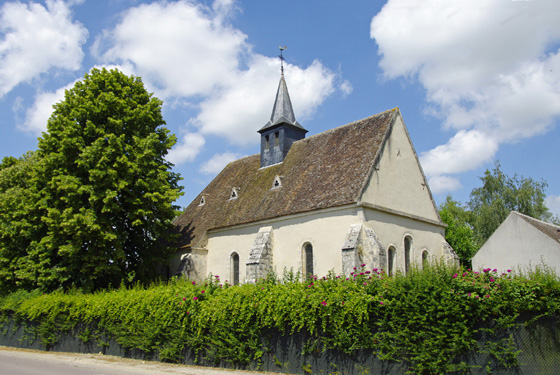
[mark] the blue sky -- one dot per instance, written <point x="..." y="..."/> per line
<point x="475" y="80"/>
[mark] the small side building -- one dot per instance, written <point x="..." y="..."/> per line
<point x="520" y="242"/>
<point x="352" y="195"/>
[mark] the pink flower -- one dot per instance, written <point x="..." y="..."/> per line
<point x="381" y="302"/>
<point x="455" y="276"/>
<point x="184" y="298"/>
<point x="363" y="265"/>
<point x="202" y="291"/>
<point x="194" y="283"/>
<point x="195" y="298"/>
<point x="509" y="270"/>
<point x="324" y="303"/>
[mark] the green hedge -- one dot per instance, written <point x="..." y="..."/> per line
<point x="432" y="320"/>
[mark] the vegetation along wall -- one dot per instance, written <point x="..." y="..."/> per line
<point x="435" y="321"/>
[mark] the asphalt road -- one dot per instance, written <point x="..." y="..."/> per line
<point x="31" y="362"/>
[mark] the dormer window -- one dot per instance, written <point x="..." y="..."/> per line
<point x="202" y="201"/>
<point x="277" y="182"/>
<point x="233" y="194"/>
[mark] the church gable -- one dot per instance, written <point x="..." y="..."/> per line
<point x="397" y="182"/>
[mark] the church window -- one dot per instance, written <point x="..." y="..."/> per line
<point x="425" y="258"/>
<point x="234" y="267"/>
<point x="407" y="250"/>
<point x="266" y="142"/>
<point x="307" y="260"/>
<point x="233" y="194"/>
<point x="276" y="139"/>
<point x="277" y="182"/>
<point x="391" y="256"/>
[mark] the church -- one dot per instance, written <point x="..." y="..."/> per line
<point x="333" y="201"/>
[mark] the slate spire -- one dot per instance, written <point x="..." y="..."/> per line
<point x="278" y="135"/>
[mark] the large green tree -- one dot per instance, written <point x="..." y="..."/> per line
<point x="105" y="190"/>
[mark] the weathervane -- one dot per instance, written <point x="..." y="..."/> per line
<point x="282" y="58"/>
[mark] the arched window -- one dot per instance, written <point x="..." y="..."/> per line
<point x="307" y="260"/>
<point x="234" y="267"/>
<point x="407" y="250"/>
<point x="391" y="256"/>
<point x="425" y="258"/>
<point x="276" y="139"/>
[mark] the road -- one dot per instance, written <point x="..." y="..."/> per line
<point x="32" y="362"/>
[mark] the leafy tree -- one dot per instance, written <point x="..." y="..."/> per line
<point x="459" y="233"/>
<point x="20" y="223"/>
<point x="105" y="189"/>
<point x="500" y="194"/>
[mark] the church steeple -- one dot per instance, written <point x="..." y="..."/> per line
<point x="278" y="135"/>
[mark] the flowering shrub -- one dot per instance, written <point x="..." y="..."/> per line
<point x="429" y="319"/>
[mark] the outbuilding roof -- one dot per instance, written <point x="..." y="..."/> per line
<point x="551" y="230"/>
<point x="326" y="170"/>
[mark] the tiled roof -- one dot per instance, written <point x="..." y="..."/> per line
<point x="325" y="170"/>
<point x="551" y="230"/>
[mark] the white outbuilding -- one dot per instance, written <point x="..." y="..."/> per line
<point x="520" y="242"/>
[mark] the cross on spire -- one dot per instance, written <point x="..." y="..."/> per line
<point x="282" y="58"/>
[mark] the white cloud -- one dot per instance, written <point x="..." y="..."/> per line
<point x="206" y="61"/>
<point x="36" y="39"/>
<point x="465" y="150"/>
<point x="236" y="112"/>
<point x="443" y="184"/>
<point x="491" y="69"/>
<point x="181" y="48"/>
<point x="553" y="204"/>
<point x="188" y="147"/>
<point x="37" y="116"/>
<point x="218" y="162"/>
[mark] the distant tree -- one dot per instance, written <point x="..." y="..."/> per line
<point x="459" y="233"/>
<point x="105" y="190"/>
<point x="500" y="194"/>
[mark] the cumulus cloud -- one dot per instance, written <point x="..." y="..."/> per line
<point x="218" y="162"/>
<point x="181" y="48"/>
<point x="38" y="114"/>
<point x="491" y="70"/>
<point x="187" y="149"/>
<point x="36" y="39"/>
<point x="443" y="184"/>
<point x="208" y="63"/>
<point x="238" y="111"/>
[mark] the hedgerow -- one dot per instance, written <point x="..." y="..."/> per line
<point x="432" y="319"/>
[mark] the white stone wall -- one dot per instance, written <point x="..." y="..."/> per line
<point x="398" y="183"/>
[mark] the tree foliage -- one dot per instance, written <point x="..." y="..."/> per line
<point x="459" y="233"/>
<point x="20" y="223"/>
<point x="101" y="186"/>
